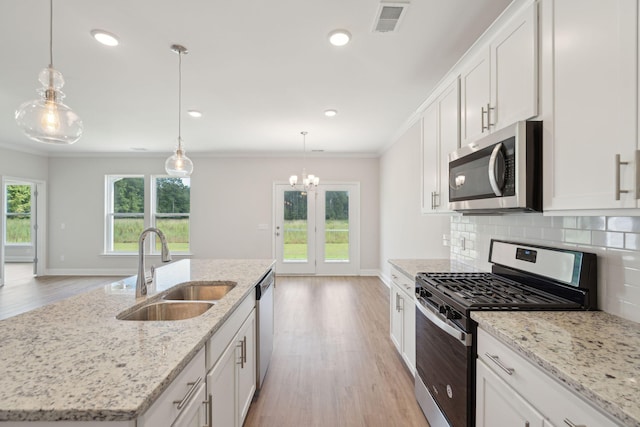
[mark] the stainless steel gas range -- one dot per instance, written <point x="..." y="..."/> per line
<point x="523" y="277"/>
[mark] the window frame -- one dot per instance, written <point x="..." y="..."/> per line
<point x="110" y="180"/>
<point x="154" y="215"/>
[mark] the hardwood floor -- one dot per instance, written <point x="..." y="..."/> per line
<point x="23" y="292"/>
<point x="333" y="362"/>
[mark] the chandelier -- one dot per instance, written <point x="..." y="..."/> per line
<point x="309" y="182"/>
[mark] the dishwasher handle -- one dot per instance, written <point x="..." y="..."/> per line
<point x="264" y="284"/>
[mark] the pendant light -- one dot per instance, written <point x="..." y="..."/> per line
<point x="179" y="164"/>
<point x="309" y="182"/>
<point x="47" y="119"/>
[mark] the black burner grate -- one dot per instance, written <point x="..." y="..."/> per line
<point x="474" y="290"/>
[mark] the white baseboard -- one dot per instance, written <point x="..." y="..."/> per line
<point x="385" y="279"/>
<point x="89" y="272"/>
<point x="370" y="272"/>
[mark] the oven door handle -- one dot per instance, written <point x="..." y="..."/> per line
<point x="430" y="314"/>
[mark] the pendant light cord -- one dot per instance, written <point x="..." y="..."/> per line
<point x="179" y="98"/>
<point x="50" y="33"/>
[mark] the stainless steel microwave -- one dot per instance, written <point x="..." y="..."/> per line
<point x="499" y="173"/>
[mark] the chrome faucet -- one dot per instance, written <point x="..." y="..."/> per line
<point x="143" y="279"/>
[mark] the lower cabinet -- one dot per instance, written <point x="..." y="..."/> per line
<point x="511" y="391"/>
<point x="231" y="383"/>
<point x="184" y="402"/>
<point x="402" y="317"/>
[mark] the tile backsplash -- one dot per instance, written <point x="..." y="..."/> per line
<point x="615" y="240"/>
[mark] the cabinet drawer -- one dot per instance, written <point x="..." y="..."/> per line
<point x="407" y="285"/>
<point x="165" y="409"/>
<point x="223" y="336"/>
<point x="555" y="401"/>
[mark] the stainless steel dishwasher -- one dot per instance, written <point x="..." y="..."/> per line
<point x="264" y="312"/>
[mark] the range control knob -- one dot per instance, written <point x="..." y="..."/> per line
<point x="443" y="309"/>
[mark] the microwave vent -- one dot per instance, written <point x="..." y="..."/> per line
<point x="389" y="16"/>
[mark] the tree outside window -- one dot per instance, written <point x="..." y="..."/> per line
<point x="172" y="206"/>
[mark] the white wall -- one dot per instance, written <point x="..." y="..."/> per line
<point x="404" y="231"/>
<point x="17" y="164"/>
<point x="615" y="240"/>
<point x="230" y="197"/>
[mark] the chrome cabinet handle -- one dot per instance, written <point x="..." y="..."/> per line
<point x="244" y="350"/>
<point x="397" y="302"/>
<point x="489" y="109"/>
<point x="617" y="169"/>
<point x="241" y="346"/>
<point x="435" y="199"/>
<point x="568" y="422"/>
<point x="482" y="113"/>
<point x="207" y="411"/>
<point x="185" y="399"/>
<point x="495" y="359"/>
<point x="493" y="180"/>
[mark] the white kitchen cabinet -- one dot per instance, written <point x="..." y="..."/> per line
<point x="509" y="388"/>
<point x="183" y="401"/>
<point x="499" y="85"/>
<point x="440" y="136"/>
<point x="403" y="317"/>
<point x="498" y="405"/>
<point x="590" y="75"/>
<point x="231" y="383"/>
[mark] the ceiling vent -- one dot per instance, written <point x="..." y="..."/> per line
<point x="389" y="16"/>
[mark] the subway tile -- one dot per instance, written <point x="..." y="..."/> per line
<point x="632" y="241"/>
<point x="631" y="311"/>
<point x="592" y="222"/>
<point x="565" y="222"/>
<point x="553" y="235"/>
<point x="577" y="236"/>
<point x="607" y="238"/>
<point x="624" y="223"/>
<point x="621" y="257"/>
<point x="533" y="233"/>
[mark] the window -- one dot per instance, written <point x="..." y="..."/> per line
<point x="18" y="214"/>
<point x="127" y="215"/>
<point x="125" y="212"/>
<point x="171" y="207"/>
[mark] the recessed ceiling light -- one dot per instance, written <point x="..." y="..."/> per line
<point x="339" y="37"/>
<point x="194" y="113"/>
<point x="105" y="37"/>
<point x="330" y="113"/>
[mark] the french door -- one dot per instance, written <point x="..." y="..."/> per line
<point x="317" y="231"/>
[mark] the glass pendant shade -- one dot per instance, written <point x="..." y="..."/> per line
<point x="48" y="119"/>
<point x="179" y="165"/>
<point x="293" y="180"/>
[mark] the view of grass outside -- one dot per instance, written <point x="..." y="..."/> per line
<point x="336" y="226"/>
<point x="18" y="214"/>
<point x="127" y="231"/>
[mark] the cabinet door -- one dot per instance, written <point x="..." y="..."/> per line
<point x="498" y="405"/>
<point x="592" y="49"/>
<point x="474" y="98"/>
<point x="194" y="414"/>
<point x="246" y="366"/>
<point x="514" y="71"/>
<point x="221" y="385"/>
<point x="396" y="316"/>
<point x="430" y="182"/>
<point x="409" y="334"/>
<point x="449" y="126"/>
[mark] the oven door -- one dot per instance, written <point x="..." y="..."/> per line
<point x="444" y="366"/>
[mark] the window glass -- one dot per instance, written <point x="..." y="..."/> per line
<point x="125" y="212"/>
<point x="18" y="214"/>
<point x="172" y="206"/>
<point x="336" y="226"/>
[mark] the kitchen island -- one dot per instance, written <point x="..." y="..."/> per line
<point x="74" y="361"/>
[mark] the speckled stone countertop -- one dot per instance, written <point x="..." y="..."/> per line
<point x="411" y="267"/>
<point x="73" y="360"/>
<point x="594" y="353"/>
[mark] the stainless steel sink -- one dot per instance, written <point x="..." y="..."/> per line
<point x="168" y="310"/>
<point x="201" y="291"/>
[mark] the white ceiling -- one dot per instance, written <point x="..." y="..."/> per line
<point x="260" y="71"/>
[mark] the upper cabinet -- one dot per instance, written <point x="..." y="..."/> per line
<point x="499" y="85"/>
<point x="440" y="136"/>
<point x="590" y="96"/>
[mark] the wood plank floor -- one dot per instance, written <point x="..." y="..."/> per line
<point x="23" y="292"/>
<point x="333" y="362"/>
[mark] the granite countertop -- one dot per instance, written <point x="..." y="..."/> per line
<point x="73" y="360"/>
<point x="594" y="353"/>
<point x="411" y="267"/>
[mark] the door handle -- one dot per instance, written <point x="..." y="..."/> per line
<point x="618" y="164"/>
<point x="496" y="156"/>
